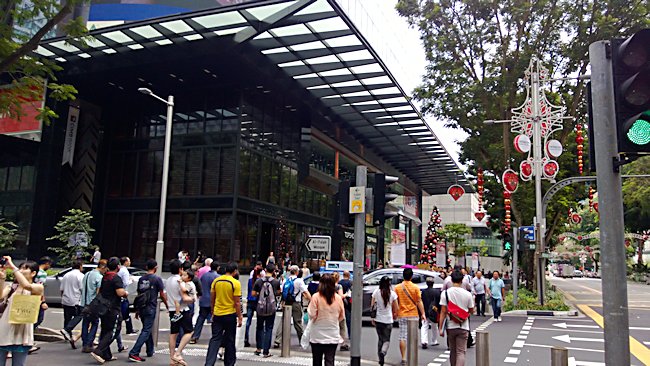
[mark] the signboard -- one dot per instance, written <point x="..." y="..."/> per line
<point x="475" y="261"/>
<point x="357" y="200"/>
<point x="397" y="247"/>
<point x="339" y="266"/>
<point x="26" y="126"/>
<point x="70" y="136"/>
<point x="318" y="243"/>
<point x="528" y="232"/>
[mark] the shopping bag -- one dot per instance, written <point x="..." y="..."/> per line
<point x="304" y="341"/>
<point x="24" y="309"/>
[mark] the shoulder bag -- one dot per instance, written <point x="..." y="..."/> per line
<point x="414" y="303"/>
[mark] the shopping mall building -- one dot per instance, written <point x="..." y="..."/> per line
<point x="275" y="103"/>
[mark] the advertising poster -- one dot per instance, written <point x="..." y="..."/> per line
<point x="475" y="261"/>
<point x="397" y="247"/>
<point x="440" y="254"/>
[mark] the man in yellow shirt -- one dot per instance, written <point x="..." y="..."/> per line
<point x="409" y="299"/>
<point x="225" y="296"/>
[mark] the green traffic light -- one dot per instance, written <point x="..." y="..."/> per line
<point x="639" y="132"/>
<point x="508" y="246"/>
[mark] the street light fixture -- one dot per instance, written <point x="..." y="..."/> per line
<point x="160" y="244"/>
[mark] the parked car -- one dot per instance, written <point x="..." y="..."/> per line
<point x="371" y="281"/>
<point x="577" y="273"/>
<point x="53" y="283"/>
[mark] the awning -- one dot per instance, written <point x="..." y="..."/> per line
<point x="316" y="44"/>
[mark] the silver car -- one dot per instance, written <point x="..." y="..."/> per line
<point x="53" y="283"/>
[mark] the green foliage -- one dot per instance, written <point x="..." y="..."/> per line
<point x="454" y="234"/>
<point x="8" y="232"/>
<point x="635" y="196"/>
<point x="77" y="221"/>
<point x="27" y="72"/>
<point x="527" y="300"/>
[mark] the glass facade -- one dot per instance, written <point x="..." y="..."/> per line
<point x="16" y="196"/>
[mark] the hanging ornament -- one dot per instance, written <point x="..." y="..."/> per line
<point x="526" y="170"/>
<point x="510" y="180"/>
<point x="579" y="141"/>
<point x="506" y="204"/>
<point x="554" y="148"/>
<point x="479" y="215"/>
<point x="596" y="206"/>
<point x="456" y="191"/>
<point x="480" y="187"/>
<point x="575" y="218"/>
<point x="522" y="143"/>
<point x="591" y="198"/>
<point x="550" y="169"/>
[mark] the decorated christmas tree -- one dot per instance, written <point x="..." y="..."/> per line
<point x="432" y="238"/>
<point x="282" y="240"/>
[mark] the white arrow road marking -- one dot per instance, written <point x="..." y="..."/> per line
<point x="565" y="326"/>
<point x="574" y="362"/>
<point x="638" y="328"/>
<point x="567" y="339"/>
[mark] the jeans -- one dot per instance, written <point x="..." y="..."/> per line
<point x="264" y="332"/>
<point x="348" y="319"/>
<point x="480" y="304"/>
<point x="319" y="350"/>
<point x="429" y="327"/>
<point x="496" y="307"/>
<point x="250" y="310"/>
<point x="127" y="316"/>
<point x="457" y="340"/>
<point x="111" y="325"/>
<point x="204" y="314"/>
<point x="383" y="335"/>
<point x="41" y="316"/>
<point x="71" y="317"/>
<point x="147" y="317"/>
<point x="88" y="335"/>
<point x="17" y="358"/>
<point x="296" y="314"/>
<point x="223" y="334"/>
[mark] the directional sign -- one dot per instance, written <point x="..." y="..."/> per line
<point x="528" y="232"/>
<point x="318" y="243"/>
<point x="357" y="200"/>
<point x="567" y="339"/>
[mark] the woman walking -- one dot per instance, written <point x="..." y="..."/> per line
<point x="384" y="299"/>
<point x="325" y="313"/>
<point x="17" y="338"/>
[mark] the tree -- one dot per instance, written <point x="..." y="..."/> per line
<point x="8" y="232"/>
<point x="75" y="233"/>
<point x="635" y="196"/>
<point x="455" y="234"/>
<point x="23" y="70"/>
<point x="432" y="237"/>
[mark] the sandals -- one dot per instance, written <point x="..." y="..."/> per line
<point x="177" y="360"/>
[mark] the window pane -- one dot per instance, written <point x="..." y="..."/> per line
<point x="139" y="238"/>
<point x="13" y="183"/>
<point x="255" y="176"/>
<point x="301" y="198"/>
<point x="109" y="233"/>
<point x="222" y="248"/>
<point x="309" y="201"/>
<point x="129" y="175"/>
<point x="177" y="172"/>
<point x="286" y="177"/>
<point x="266" y="179"/>
<point x="3" y="178"/>
<point x="123" y="233"/>
<point x="172" y="235"/>
<point x="210" y="171"/>
<point x="145" y="170"/>
<point x="244" y="171"/>
<point x="193" y="173"/>
<point x="27" y="179"/>
<point x="227" y="177"/>
<point x="276" y="174"/>
<point x="115" y="175"/>
<point x="293" y="189"/>
<point x="188" y="233"/>
<point x="207" y="228"/>
<point x="157" y="173"/>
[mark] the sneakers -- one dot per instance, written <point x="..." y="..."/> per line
<point x="194" y="340"/>
<point x="66" y="335"/>
<point x="98" y="358"/>
<point x="122" y="349"/>
<point x="33" y="349"/>
<point x="425" y="346"/>
<point x="136" y="358"/>
<point x="267" y="355"/>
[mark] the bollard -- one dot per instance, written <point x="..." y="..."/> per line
<point x="413" y="333"/>
<point x="156" y="324"/>
<point x="559" y="356"/>
<point x="286" y="331"/>
<point x="482" y="348"/>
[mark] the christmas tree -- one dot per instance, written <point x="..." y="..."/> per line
<point x="432" y="237"/>
<point x="282" y="239"/>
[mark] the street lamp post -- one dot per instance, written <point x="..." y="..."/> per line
<point x="160" y="244"/>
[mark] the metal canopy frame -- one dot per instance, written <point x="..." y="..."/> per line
<point x="317" y="45"/>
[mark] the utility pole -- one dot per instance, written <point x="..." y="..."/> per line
<point x="515" y="267"/>
<point x="612" y="235"/>
<point x="357" y="280"/>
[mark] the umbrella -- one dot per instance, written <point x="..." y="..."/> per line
<point x="409" y="266"/>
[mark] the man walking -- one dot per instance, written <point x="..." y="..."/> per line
<point x="71" y="285"/>
<point x="205" y="301"/>
<point x="410" y="305"/>
<point x="295" y="300"/>
<point x="112" y="291"/>
<point x="431" y="303"/>
<point x="225" y="296"/>
<point x="346" y="285"/>
<point x="91" y="283"/>
<point x="124" y="274"/>
<point x="149" y="287"/>
<point x="479" y="288"/>
<point x="457" y="304"/>
<point x="497" y="292"/>
<point x="265" y="289"/>
<point x="205" y="269"/>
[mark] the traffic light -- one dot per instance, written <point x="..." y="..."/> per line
<point x="507" y="242"/>
<point x="343" y="204"/>
<point x="631" y="70"/>
<point x="381" y="196"/>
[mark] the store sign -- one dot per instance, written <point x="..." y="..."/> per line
<point x="357" y="200"/>
<point x="410" y="205"/>
<point x="27" y="125"/>
<point x="318" y="243"/>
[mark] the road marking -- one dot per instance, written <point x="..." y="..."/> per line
<point x="574" y="362"/>
<point x="567" y="339"/>
<point x="520" y="341"/>
<point x="599" y="331"/>
<point x="637" y="348"/>
<point x="565" y="326"/>
<point x="639" y="328"/>
<point x="569" y="348"/>
<point x="514" y="352"/>
<point x="510" y="360"/>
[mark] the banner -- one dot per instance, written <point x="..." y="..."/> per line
<point x="397" y="247"/>
<point x="475" y="261"/>
<point x="70" y="135"/>
<point x="441" y="254"/>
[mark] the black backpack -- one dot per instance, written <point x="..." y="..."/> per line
<point x="145" y="295"/>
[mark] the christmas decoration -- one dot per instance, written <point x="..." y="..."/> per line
<point x="510" y="180"/>
<point x="526" y="169"/>
<point x="282" y="239"/>
<point x="506" y="204"/>
<point x="479" y="215"/>
<point x="480" y="189"/>
<point x="579" y="141"/>
<point x="432" y="238"/>
<point x="456" y="191"/>
<point x="591" y="198"/>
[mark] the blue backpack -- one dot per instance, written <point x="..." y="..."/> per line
<point x="288" y="293"/>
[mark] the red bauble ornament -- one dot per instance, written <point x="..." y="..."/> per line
<point x="479" y="215"/>
<point x="510" y="180"/>
<point x="551" y="168"/>
<point x="456" y="191"/>
<point x="596" y="206"/>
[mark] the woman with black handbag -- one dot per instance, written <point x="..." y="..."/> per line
<point x="384" y="312"/>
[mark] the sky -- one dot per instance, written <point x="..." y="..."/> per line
<point x="401" y="49"/>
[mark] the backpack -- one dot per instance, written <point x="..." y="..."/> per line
<point x="145" y="294"/>
<point x="288" y="293"/>
<point x="266" y="303"/>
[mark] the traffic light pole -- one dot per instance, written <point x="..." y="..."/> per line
<point x="614" y="284"/>
<point x="515" y="267"/>
<point x="357" y="280"/>
<point x="537" y="167"/>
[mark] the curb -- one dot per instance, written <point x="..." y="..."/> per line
<point x="542" y="313"/>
